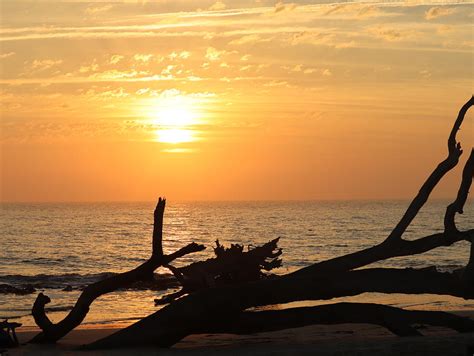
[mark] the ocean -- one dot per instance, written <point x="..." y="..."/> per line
<point x="53" y="245"/>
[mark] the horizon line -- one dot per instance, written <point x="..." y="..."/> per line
<point x="221" y="200"/>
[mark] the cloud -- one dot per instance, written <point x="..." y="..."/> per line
<point x="115" y="58"/>
<point x="218" y="5"/>
<point x="90" y="68"/>
<point x="142" y="57"/>
<point x="142" y="91"/>
<point x="116" y="74"/>
<point x="104" y="95"/>
<point x="326" y="72"/>
<point x="444" y="29"/>
<point x="280" y="7"/>
<point x="356" y="11"/>
<point x="310" y="37"/>
<point x="245" y="40"/>
<point x="276" y="83"/>
<point x="213" y="54"/>
<point x="390" y="34"/>
<point x="181" y="55"/>
<point x="248" y="39"/>
<point x="43" y="64"/>
<point x="94" y="10"/>
<point x="6" y="55"/>
<point x="168" y="70"/>
<point x="439" y="11"/>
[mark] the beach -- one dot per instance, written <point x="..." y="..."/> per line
<point x="78" y="244"/>
<point x="344" y="339"/>
<point x="309" y="234"/>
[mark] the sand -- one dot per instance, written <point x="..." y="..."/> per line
<point x="344" y="339"/>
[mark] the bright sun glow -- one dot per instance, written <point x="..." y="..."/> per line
<point x="175" y="122"/>
<point x="175" y="116"/>
<point x="174" y="135"/>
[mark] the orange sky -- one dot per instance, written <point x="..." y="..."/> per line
<point x="230" y="100"/>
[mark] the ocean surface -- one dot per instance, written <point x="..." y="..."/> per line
<point x="55" y="245"/>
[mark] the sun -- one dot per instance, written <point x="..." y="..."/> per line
<point x="175" y="123"/>
<point x="175" y="116"/>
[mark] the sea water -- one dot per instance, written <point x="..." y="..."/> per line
<point x="55" y="245"/>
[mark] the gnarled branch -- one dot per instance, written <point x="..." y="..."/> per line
<point x="454" y="152"/>
<point x="52" y="332"/>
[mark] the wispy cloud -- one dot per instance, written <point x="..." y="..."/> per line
<point x="281" y="7"/>
<point x="356" y="11"/>
<point x="217" y="6"/>
<point x="95" y="10"/>
<point x="115" y="58"/>
<point x="43" y="64"/>
<point x="6" y="55"/>
<point x="390" y="33"/>
<point x="439" y="11"/>
<point x="139" y="57"/>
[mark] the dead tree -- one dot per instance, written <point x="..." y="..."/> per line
<point x="52" y="332"/>
<point x="230" y="266"/>
<point x="223" y="308"/>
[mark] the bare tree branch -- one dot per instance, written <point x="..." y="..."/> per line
<point x="454" y="152"/>
<point x="458" y="205"/>
<point x="157" y="245"/>
<point x="53" y="332"/>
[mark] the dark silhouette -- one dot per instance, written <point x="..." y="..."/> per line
<point x="222" y="307"/>
<point x="230" y="266"/>
<point x="8" y="335"/>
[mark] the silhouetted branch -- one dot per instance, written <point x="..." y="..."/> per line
<point x="383" y="251"/>
<point x="394" y="245"/>
<point x="454" y="152"/>
<point x="53" y="332"/>
<point x="397" y="320"/>
<point x="38" y="312"/>
<point x="458" y="205"/>
<point x="157" y="240"/>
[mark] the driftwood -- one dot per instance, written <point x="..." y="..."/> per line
<point x="398" y="321"/>
<point x="230" y="266"/>
<point x="53" y="332"/>
<point x="223" y="308"/>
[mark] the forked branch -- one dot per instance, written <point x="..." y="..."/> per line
<point x="52" y="332"/>
<point x="454" y="152"/>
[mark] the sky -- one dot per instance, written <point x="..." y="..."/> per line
<point x="230" y="100"/>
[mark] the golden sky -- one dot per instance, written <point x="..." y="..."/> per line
<point x="230" y="100"/>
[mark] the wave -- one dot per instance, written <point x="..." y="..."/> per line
<point x="23" y="284"/>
